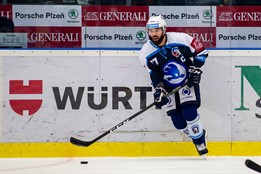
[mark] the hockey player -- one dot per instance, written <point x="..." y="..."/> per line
<point x="173" y="59"/>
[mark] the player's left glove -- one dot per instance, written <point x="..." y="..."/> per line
<point x="194" y="76"/>
<point x="159" y="97"/>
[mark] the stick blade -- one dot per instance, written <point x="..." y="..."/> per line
<point x="258" y="116"/>
<point x="252" y="165"/>
<point x="78" y="142"/>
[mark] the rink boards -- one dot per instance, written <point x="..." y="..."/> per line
<point x="47" y="96"/>
<point x="126" y="149"/>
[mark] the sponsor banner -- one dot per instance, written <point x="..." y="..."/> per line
<point x="239" y="16"/>
<point x="52" y="37"/>
<point x="40" y="96"/>
<point x="186" y="16"/>
<point x="113" y="37"/>
<point x="238" y="37"/>
<point x="246" y="96"/>
<point x="45" y="15"/>
<point x="206" y="35"/>
<point x="236" y="90"/>
<point x="114" y="15"/>
<point x="6" y="11"/>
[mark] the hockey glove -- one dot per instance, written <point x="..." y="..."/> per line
<point x="194" y="76"/>
<point x="159" y="97"/>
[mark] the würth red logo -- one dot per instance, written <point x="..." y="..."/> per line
<point x="23" y="94"/>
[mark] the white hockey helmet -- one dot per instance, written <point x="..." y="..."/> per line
<point x="156" y="22"/>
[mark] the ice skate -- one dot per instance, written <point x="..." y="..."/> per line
<point x="202" y="148"/>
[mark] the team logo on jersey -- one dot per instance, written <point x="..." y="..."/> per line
<point x="186" y="91"/>
<point x="174" y="73"/>
<point x="175" y="52"/>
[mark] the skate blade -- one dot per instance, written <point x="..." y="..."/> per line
<point x="204" y="157"/>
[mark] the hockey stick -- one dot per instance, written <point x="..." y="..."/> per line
<point x="252" y="165"/>
<point x="78" y="142"/>
<point x="258" y="116"/>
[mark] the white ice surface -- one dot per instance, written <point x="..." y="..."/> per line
<point x="128" y="165"/>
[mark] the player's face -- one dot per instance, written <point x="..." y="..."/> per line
<point x="156" y="35"/>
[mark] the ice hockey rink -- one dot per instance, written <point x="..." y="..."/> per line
<point x="128" y="165"/>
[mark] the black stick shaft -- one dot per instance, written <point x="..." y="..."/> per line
<point x="122" y="123"/>
<point x="88" y="143"/>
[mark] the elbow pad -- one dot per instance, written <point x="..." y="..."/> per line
<point x="199" y="60"/>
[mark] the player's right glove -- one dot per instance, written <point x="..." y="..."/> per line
<point x="159" y="97"/>
<point x="194" y="76"/>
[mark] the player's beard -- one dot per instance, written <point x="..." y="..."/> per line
<point x="157" y="42"/>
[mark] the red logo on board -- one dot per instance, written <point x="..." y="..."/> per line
<point x="21" y="105"/>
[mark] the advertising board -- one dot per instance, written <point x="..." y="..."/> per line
<point x="124" y="27"/>
<point x="6" y="11"/>
<point x="114" y="16"/>
<point x="52" y="37"/>
<point x="46" y="15"/>
<point x="238" y="16"/>
<point x="186" y="16"/>
<point x="238" y="37"/>
<point x="113" y="37"/>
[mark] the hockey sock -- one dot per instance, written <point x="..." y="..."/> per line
<point x="185" y="131"/>
<point x="196" y="131"/>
